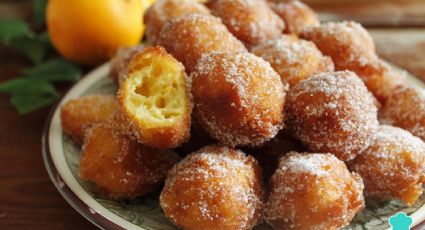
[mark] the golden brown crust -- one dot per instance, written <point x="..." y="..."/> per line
<point x="296" y="15"/>
<point x="393" y="166"/>
<point x="163" y="10"/>
<point x="251" y="21"/>
<point x="347" y="43"/>
<point x="120" y="167"/>
<point x="332" y="112"/>
<point x="405" y="108"/>
<point x="238" y="98"/>
<point x="79" y="115"/>
<point x="155" y="99"/>
<point x="313" y="191"/>
<point x="214" y="188"/>
<point x="294" y="59"/>
<point x="118" y="63"/>
<point x="382" y="80"/>
<point x="188" y="37"/>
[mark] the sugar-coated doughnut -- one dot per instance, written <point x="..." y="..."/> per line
<point x="405" y="108"/>
<point x="313" y="191"/>
<point x="188" y="37"/>
<point x="393" y="166"/>
<point x="79" y="115"/>
<point x="347" y="43"/>
<point x="251" y="21"/>
<point x="163" y="10"/>
<point x="296" y="15"/>
<point x="332" y="112"/>
<point x="120" y="167"/>
<point x="238" y="98"/>
<point x="155" y="99"/>
<point x="213" y="188"/>
<point x="294" y="59"/>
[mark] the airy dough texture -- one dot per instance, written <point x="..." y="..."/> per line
<point x="155" y="99"/>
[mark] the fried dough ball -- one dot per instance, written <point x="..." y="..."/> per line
<point x="347" y="43"/>
<point x="313" y="191"/>
<point x="405" y="108"/>
<point x="251" y="21"/>
<point x="393" y="167"/>
<point x="120" y="167"/>
<point x="382" y="80"/>
<point x="190" y="36"/>
<point x="119" y="62"/>
<point x="296" y="15"/>
<point x="79" y="115"/>
<point x="294" y="59"/>
<point x="214" y="188"/>
<point x="351" y="48"/>
<point x="332" y="112"/>
<point x="238" y="98"/>
<point x="163" y="10"/>
<point x="155" y="99"/>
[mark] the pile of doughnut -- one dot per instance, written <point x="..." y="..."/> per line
<point x="252" y="111"/>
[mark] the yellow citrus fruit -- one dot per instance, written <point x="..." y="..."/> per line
<point x="88" y="32"/>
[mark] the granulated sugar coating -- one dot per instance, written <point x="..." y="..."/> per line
<point x="294" y="59"/>
<point x="238" y="98"/>
<point x="393" y="167"/>
<point x="382" y="80"/>
<point x="251" y="21"/>
<point x="313" y="191"/>
<point x="405" y="108"/>
<point x="296" y="15"/>
<point x="120" y="61"/>
<point x="81" y="114"/>
<point x="347" y="43"/>
<point x="163" y="10"/>
<point x="120" y="167"/>
<point x="332" y="112"/>
<point x="214" y="188"/>
<point x="188" y="37"/>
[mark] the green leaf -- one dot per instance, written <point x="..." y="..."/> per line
<point x="39" y="7"/>
<point x="29" y="94"/>
<point x="32" y="100"/>
<point x="31" y="48"/>
<point x="44" y="38"/>
<point x="13" y="28"/>
<point x="23" y="85"/>
<point x="54" y="70"/>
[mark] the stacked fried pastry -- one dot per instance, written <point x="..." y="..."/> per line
<point x="252" y="110"/>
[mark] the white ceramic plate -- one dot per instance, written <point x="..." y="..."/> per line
<point x="61" y="158"/>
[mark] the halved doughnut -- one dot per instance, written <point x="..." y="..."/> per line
<point x="155" y="99"/>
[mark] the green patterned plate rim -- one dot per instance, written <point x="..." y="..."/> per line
<point x="61" y="157"/>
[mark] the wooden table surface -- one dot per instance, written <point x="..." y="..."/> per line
<point x="28" y="199"/>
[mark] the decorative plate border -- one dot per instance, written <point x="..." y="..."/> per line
<point x="76" y="195"/>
